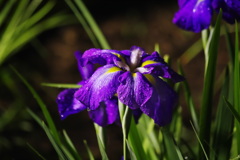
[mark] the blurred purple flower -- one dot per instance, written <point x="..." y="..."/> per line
<point x="107" y="111"/>
<point x="132" y="75"/>
<point x="196" y="15"/>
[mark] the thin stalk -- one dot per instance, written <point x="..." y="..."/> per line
<point x="126" y="116"/>
<point x="237" y="84"/>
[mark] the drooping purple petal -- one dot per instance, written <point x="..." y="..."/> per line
<point x="107" y="113"/>
<point x="101" y="86"/>
<point x="142" y="89"/>
<point x="87" y="70"/>
<point x="67" y="104"/>
<point x="160" y="106"/>
<point x="125" y="90"/>
<point x="230" y="9"/>
<point x="194" y="15"/>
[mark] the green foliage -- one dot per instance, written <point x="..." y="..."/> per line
<point x="22" y="21"/>
<point x="207" y="99"/>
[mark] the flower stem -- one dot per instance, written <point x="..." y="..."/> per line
<point x="126" y="116"/>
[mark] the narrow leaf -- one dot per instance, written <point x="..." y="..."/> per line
<point x="233" y="110"/>
<point x="96" y="30"/>
<point x="200" y="142"/>
<point x="223" y="128"/>
<point x="236" y="84"/>
<point x="36" y="152"/>
<point x="90" y="154"/>
<point x="60" y="85"/>
<point x="41" y="104"/>
<point x="207" y="98"/>
<point x="173" y="151"/>
<point x="100" y="143"/>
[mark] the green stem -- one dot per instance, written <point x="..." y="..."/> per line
<point x="126" y="116"/>
<point x="101" y="132"/>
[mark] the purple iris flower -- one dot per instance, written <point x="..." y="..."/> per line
<point x="133" y="76"/>
<point x="107" y="111"/>
<point x="196" y="15"/>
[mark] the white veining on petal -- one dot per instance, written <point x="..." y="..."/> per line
<point x="142" y="70"/>
<point x="135" y="58"/>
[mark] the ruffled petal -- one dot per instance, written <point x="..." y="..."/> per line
<point x="107" y="113"/>
<point x="230" y="9"/>
<point x="87" y="70"/>
<point x="160" y="106"/>
<point x="154" y="64"/>
<point x="182" y="3"/>
<point x="67" y="104"/>
<point x="142" y="88"/>
<point x="125" y="90"/>
<point x="100" y="87"/>
<point x="102" y="56"/>
<point x="194" y="15"/>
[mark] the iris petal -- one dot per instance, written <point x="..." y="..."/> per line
<point x="161" y="104"/>
<point x="230" y="8"/>
<point x="136" y="56"/>
<point x="142" y="88"/>
<point x="67" y="104"/>
<point x="154" y="64"/>
<point x="106" y="114"/>
<point x="125" y="90"/>
<point x="101" y="56"/>
<point x="195" y="15"/>
<point x="101" y="86"/>
<point x="85" y="71"/>
<point x="182" y="3"/>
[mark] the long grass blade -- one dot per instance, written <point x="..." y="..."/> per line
<point x="223" y="128"/>
<point x="236" y="84"/>
<point x="200" y="142"/>
<point x="96" y="30"/>
<point x="136" y="142"/>
<point x="71" y="147"/>
<point x="41" y="104"/>
<point x="83" y="22"/>
<point x="101" y="141"/>
<point x="60" y="85"/>
<point x="51" y="137"/>
<point x="90" y="154"/>
<point x="191" y="52"/>
<point x="234" y="112"/>
<point x="207" y="98"/>
<point x="189" y="100"/>
<point x="172" y="149"/>
<point x="36" y="152"/>
<point x="5" y="11"/>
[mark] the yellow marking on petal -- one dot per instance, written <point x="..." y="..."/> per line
<point x="134" y="74"/>
<point x="119" y="56"/>
<point x="113" y="69"/>
<point x="150" y="78"/>
<point x="148" y="62"/>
